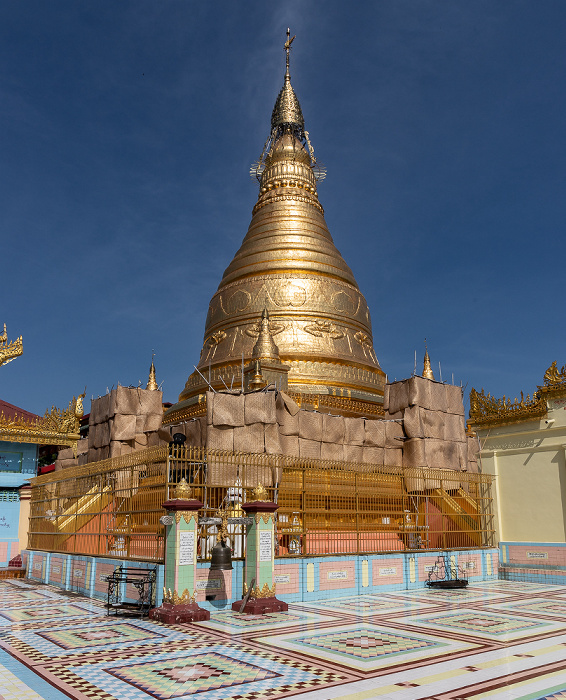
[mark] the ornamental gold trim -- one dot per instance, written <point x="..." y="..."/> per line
<point x="56" y="427"/>
<point x="174" y="598"/>
<point x="486" y="410"/>
<point x="9" y="350"/>
<point x="554" y="379"/>
<point x="265" y="592"/>
<point x="187" y="516"/>
<point x="264" y="517"/>
<point x="180" y="415"/>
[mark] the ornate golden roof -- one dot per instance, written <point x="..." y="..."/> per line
<point x="288" y="264"/>
<point x="9" y="350"/>
<point x="56" y="427"/>
<point x="487" y="411"/>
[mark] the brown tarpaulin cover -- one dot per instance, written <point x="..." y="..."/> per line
<point x="373" y="455"/>
<point x="393" y="433"/>
<point x="333" y="451"/>
<point x="412" y="422"/>
<point x="220" y="438"/>
<point x="454" y="403"/>
<point x="249" y="438"/>
<point x="260" y="408"/>
<point x="433" y="424"/>
<point x="354" y="432"/>
<point x="333" y="430"/>
<point x="309" y="449"/>
<point x="374" y="433"/>
<point x="123" y="427"/>
<point x="310" y="426"/>
<point x="272" y="441"/>
<point x="289" y="445"/>
<point x="414" y="453"/>
<point x="353" y="453"/>
<point x="228" y="410"/>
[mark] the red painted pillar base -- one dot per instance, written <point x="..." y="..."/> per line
<point x="260" y="606"/>
<point x="177" y="614"/>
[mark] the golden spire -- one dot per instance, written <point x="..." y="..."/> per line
<point x="288" y="263"/>
<point x="9" y="350"/>
<point x="265" y="348"/>
<point x="427" y="369"/>
<point x="152" y="382"/>
<point x="287" y="110"/>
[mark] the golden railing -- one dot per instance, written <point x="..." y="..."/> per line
<point x="113" y="507"/>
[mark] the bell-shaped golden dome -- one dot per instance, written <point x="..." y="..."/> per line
<point x="289" y="265"/>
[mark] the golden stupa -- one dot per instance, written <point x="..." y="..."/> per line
<point x="288" y="264"/>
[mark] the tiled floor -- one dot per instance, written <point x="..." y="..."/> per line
<point x="492" y="641"/>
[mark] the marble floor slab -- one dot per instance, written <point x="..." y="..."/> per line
<point x="492" y="641"/>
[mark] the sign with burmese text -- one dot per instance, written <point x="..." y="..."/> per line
<point x="337" y="575"/>
<point x="265" y="546"/>
<point x="186" y="548"/>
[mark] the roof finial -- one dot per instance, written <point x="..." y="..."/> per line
<point x="287" y="48"/>
<point x="152" y="382"/>
<point x="427" y="369"/>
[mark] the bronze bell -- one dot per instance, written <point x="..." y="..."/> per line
<point x="221" y="557"/>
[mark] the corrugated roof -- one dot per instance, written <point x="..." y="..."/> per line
<point x="9" y="410"/>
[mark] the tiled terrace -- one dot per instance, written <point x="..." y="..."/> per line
<point x="497" y="639"/>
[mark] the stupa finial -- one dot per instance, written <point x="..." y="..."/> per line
<point x="287" y="112"/>
<point x="427" y="369"/>
<point x="152" y="382"/>
<point x="287" y="48"/>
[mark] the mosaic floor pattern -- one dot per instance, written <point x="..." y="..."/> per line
<point x="494" y="641"/>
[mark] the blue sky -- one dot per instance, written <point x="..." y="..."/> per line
<point x="126" y="134"/>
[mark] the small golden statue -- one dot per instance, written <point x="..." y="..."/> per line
<point x="260" y="494"/>
<point x="183" y="492"/>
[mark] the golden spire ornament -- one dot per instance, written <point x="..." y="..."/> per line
<point x="265" y="348"/>
<point x="9" y="350"/>
<point x="427" y="369"/>
<point x="152" y="382"/>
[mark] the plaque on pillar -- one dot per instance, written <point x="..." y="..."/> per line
<point x="180" y="590"/>
<point x="259" y="587"/>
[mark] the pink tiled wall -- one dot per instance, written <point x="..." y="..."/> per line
<point x="78" y="574"/>
<point x="14" y="549"/>
<point x="291" y="570"/>
<point x="37" y="567"/>
<point x="387" y="579"/>
<point x="556" y="556"/>
<point x="476" y="561"/>
<point x="102" y="570"/>
<point x="3" y="551"/>
<point x="222" y="593"/>
<point x="326" y="584"/>
<point x="495" y="562"/>
<point x="423" y="563"/>
<point x="56" y="570"/>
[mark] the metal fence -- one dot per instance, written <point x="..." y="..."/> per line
<point x="112" y="508"/>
